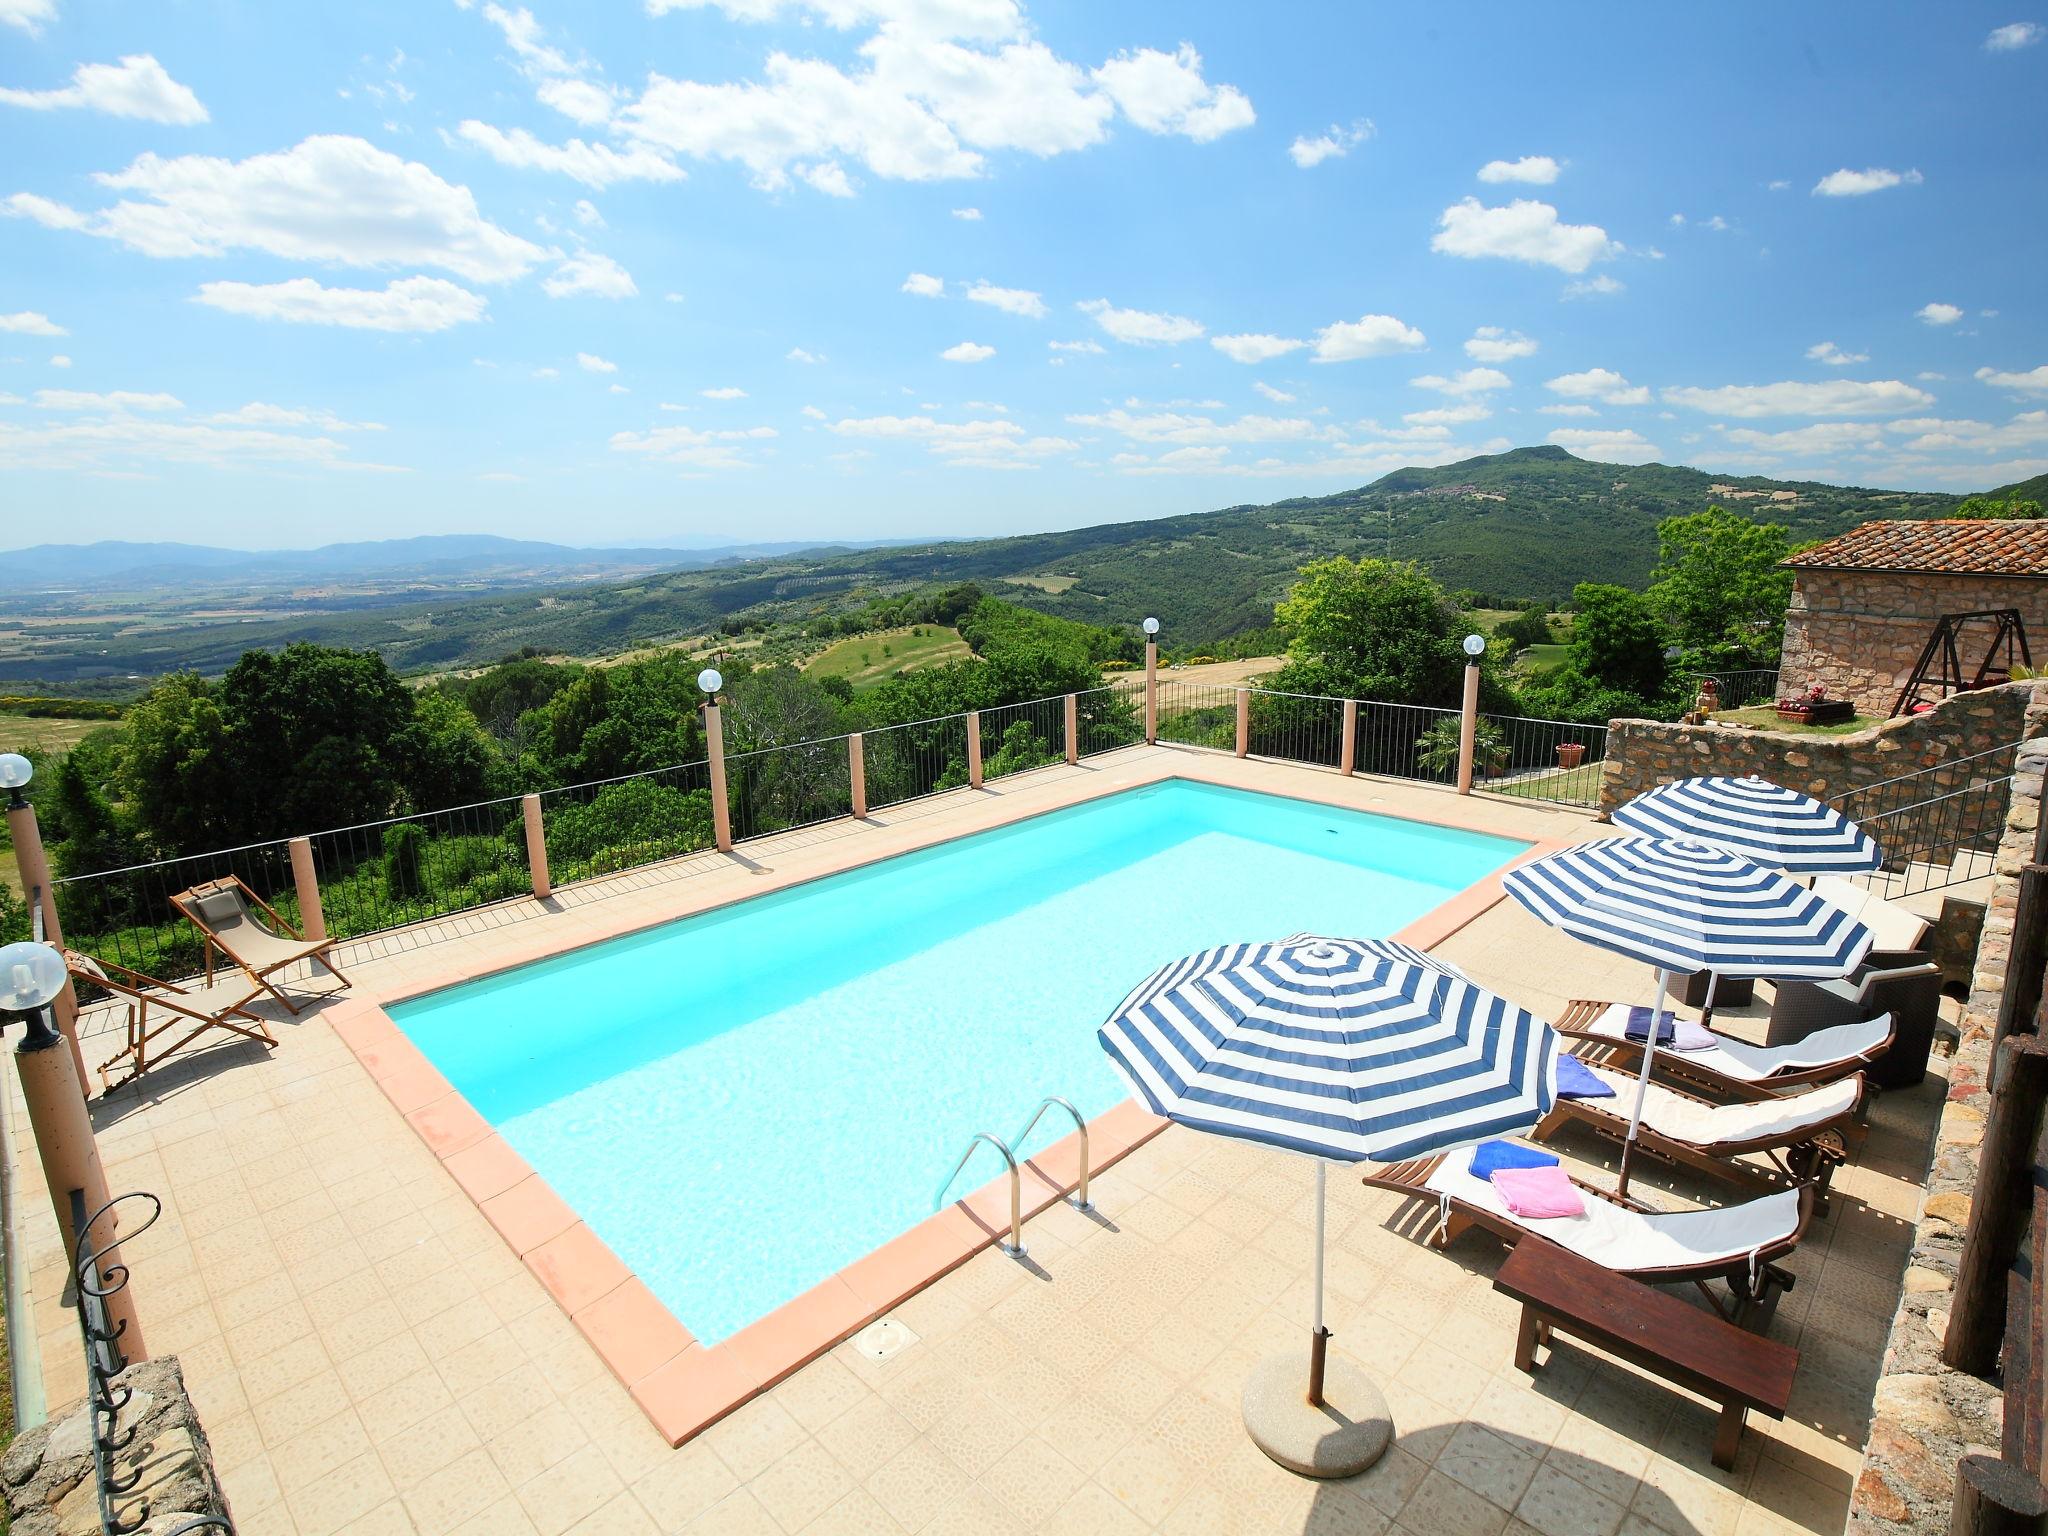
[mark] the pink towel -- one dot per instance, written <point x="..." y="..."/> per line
<point x="1538" y="1192"/>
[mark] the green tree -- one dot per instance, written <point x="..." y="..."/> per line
<point x="616" y="720"/>
<point x="1529" y="627"/>
<point x="2013" y="509"/>
<point x="177" y="775"/>
<point x="1372" y="629"/>
<point x="94" y="840"/>
<point x="1617" y="640"/>
<point x="449" y="759"/>
<point x="14" y="920"/>
<point x="1721" y="585"/>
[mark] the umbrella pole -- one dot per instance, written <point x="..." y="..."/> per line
<point x="1319" y="1339"/>
<point x="1707" y="1012"/>
<point x="1635" y="1118"/>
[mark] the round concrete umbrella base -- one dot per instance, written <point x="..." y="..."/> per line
<point x="1342" y="1437"/>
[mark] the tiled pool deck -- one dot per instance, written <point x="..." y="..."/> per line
<point x="368" y="1353"/>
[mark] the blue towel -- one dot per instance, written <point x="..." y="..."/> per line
<point x="1575" y="1080"/>
<point x="1639" y="1026"/>
<point x="1489" y="1155"/>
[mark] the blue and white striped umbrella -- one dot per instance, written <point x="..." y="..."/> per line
<point x="1759" y="820"/>
<point x="1341" y="1048"/>
<point x="1344" y="1049"/>
<point x="1686" y="906"/>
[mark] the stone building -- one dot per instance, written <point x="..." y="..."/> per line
<point x="1864" y="605"/>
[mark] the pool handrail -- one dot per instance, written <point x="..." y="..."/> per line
<point x="1079" y="1198"/>
<point x="1014" y="1248"/>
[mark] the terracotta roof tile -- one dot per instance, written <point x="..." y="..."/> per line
<point x="1958" y="546"/>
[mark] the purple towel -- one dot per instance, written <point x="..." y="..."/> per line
<point x="1673" y="1033"/>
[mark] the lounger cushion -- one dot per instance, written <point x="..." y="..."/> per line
<point x="1891" y="926"/>
<point x="1758" y="1063"/>
<point x="1631" y="1242"/>
<point x="1543" y="1192"/>
<point x="1576" y="1080"/>
<point x="1787" y="1119"/>
<point x="219" y="908"/>
<point x="1490" y="1156"/>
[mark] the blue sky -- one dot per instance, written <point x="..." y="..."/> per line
<point x="651" y="270"/>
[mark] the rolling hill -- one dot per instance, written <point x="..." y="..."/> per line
<point x="1527" y="523"/>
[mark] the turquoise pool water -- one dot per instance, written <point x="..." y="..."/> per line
<point x="743" y="1103"/>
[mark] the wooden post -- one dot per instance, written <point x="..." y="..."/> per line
<point x="1468" y="729"/>
<point x="1244" y="721"/>
<point x="34" y="865"/>
<point x="1073" y="729"/>
<point x="714" y="749"/>
<point x="71" y="1160"/>
<point x="857" y="775"/>
<point x="2028" y="957"/>
<point x="536" y="847"/>
<point x="1347" y="755"/>
<point x="1151" y="692"/>
<point x="306" y="886"/>
<point x="1996" y="1498"/>
<point x="1998" y="1206"/>
<point x="974" y="749"/>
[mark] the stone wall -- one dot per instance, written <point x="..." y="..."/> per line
<point x="1644" y="753"/>
<point x="1927" y="1416"/>
<point x="48" y="1470"/>
<point x="1858" y="633"/>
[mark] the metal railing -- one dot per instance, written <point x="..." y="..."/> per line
<point x="608" y="826"/>
<point x="777" y="789"/>
<point x="405" y="869"/>
<point x="1408" y="741"/>
<point x="1018" y="737"/>
<point x="1014" y="1248"/>
<point x="1939" y="826"/>
<point x="1550" y="760"/>
<point x="106" y="1396"/>
<point x="1079" y="1199"/>
<point x="923" y="757"/>
<point x="125" y="915"/>
<point x="1743" y="687"/>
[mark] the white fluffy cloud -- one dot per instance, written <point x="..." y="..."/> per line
<point x="419" y="304"/>
<point x="2014" y="36"/>
<point x="1333" y="143"/>
<point x="1566" y="410"/>
<point x="726" y="392"/>
<point x="1468" y="381"/>
<point x="970" y="215"/>
<point x="1084" y="346"/>
<point x="590" y="362"/>
<point x="137" y="87"/>
<point x="1537" y="170"/>
<point x="590" y="275"/>
<point x="28" y="322"/>
<point x="1447" y="415"/>
<point x="1524" y="230"/>
<point x="1827" y="352"/>
<point x="1140" y="327"/>
<point x="1832" y="397"/>
<point x="329" y="198"/>
<point x="1622" y="447"/>
<point x="112" y="400"/>
<point x="1590" y="287"/>
<point x="1254" y="348"/>
<point x="692" y="448"/>
<point x="28" y="15"/>
<point x="129" y="432"/>
<point x="1602" y="384"/>
<point x="1011" y="301"/>
<point x="2033" y="382"/>
<point x="924" y="285"/>
<point x="968" y="352"/>
<point x="595" y="165"/>
<point x="1277" y="396"/>
<point x="1367" y="336"/>
<point x="1165" y="93"/>
<point x="975" y="444"/>
<point x="1177" y="427"/>
<point x="1848" y="183"/>
<point x="1494" y="344"/>
<point x="258" y="413"/>
<point x="1938" y="314"/>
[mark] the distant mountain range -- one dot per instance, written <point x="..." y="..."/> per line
<point x="435" y="558"/>
<point x="1530" y="523"/>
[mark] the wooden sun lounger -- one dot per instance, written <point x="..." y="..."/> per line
<point x="250" y="932"/>
<point x="1809" y="1156"/>
<point x="206" y="1006"/>
<point x="1575" y="1023"/>
<point x="1751" y="1301"/>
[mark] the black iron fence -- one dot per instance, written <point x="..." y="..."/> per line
<point x="608" y="826"/>
<point x="1939" y="826"/>
<point x="1741" y="688"/>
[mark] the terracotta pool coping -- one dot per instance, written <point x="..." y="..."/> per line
<point x="682" y="1385"/>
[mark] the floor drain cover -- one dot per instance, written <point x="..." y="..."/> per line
<point x="883" y="1338"/>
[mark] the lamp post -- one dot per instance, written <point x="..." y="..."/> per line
<point x="15" y="773"/>
<point x="711" y="680"/>
<point x="1151" y="628"/>
<point x="1468" y="721"/>
<point x="32" y="976"/>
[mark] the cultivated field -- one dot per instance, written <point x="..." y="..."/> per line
<point x="865" y="660"/>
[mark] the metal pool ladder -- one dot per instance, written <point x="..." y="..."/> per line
<point x="1014" y="1248"/>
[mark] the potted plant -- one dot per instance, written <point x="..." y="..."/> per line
<point x="1814" y="707"/>
<point x="1436" y="749"/>
<point x="1570" y="753"/>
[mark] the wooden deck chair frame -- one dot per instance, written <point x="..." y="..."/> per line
<point x="315" y="949"/>
<point x="1809" y="1159"/>
<point x="1750" y="1305"/>
<point x="144" y="992"/>
<point x="1575" y="1024"/>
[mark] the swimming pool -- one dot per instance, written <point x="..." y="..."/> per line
<point x="742" y="1103"/>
